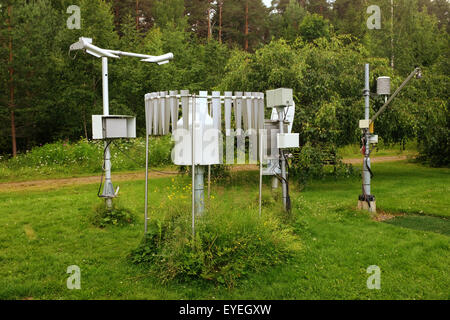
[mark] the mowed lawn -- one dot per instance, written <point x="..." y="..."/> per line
<point x="44" y="232"/>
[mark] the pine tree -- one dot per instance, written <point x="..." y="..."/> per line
<point x="234" y="22"/>
<point x="197" y="15"/>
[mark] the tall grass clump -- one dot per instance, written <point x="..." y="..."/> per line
<point x="228" y="244"/>
<point x="117" y="215"/>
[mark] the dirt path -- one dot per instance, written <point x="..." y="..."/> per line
<point x="376" y="159"/>
<point x="58" y="183"/>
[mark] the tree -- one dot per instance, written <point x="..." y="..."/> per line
<point x="140" y="10"/>
<point x="29" y="69"/>
<point x="349" y="17"/>
<point x="279" y="5"/>
<point x="313" y="27"/>
<point x="234" y="22"/>
<point x="197" y="12"/>
<point x="170" y="12"/>
<point x="440" y="9"/>
<point x="286" y="25"/>
<point x="417" y="39"/>
<point x="320" y="7"/>
<point x="11" y="83"/>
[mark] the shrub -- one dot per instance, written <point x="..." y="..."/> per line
<point x="433" y="134"/>
<point x="311" y="162"/>
<point x="228" y="245"/>
<point x="116" y="215"/>
<point x="86" y="156"/>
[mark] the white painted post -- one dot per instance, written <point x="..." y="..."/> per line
<point x="193" y="163"/>
<point x="108" y="189"/>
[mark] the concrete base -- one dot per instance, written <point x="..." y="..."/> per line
<point x="363" y="205"/>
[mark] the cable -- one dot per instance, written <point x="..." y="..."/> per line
<point x="365" y="164"/>
<point x="288" y="197"/>
<point x="368" y="168"/>
<point x="281" y="179"/>
<point x="74" y="57"/>
<point x="139" y="164"/>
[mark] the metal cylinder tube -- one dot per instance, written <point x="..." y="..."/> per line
<point x="199" y="190"/>
<point x="366" y="167"/>
<point x="282" y="160"/>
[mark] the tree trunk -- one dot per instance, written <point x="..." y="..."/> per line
<point x="246" y="27"/>
<point x="137" y="14"/>
<point x="220" y="21"/>
<point x="209" y="20"/>
<point x="11" y="86"/>
<point x="392" y="34"/>
<point x="116" y="15"/>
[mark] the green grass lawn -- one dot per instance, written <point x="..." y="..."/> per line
<point x="45" y="232"/>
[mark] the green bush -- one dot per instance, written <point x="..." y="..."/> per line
<point x="228" y="245"/>
<point x="433" y="136"/>
<point x="315" y="162"/>
<point x="87" y="156"/>
<point x="116" y="215"/>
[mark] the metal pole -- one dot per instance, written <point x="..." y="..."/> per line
<point x="146" y="178"/>
<point x="366" y="166"/>
<point x="193" y="164"/>
<point x="199" y="189"/>
<point x="274" y="183"/>
<point x="108" y="190"/>
<point x="261" y="136"/>
<point x="105" y="86"/>
<point x="209" y="182"/>
<point x="282" y="160"/>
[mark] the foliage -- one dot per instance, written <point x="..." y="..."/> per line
<point x="315" y="162"/>
<point x="313" y="47"/>
<point x="313" y="27"/>
<point x="117" y="215"/>
<point x="286" y="24"/>
<point x="228" y="245"/>
<point x="272" y="66"/>
<point x="86" y="157"/>
<point x="434" y="136"/>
